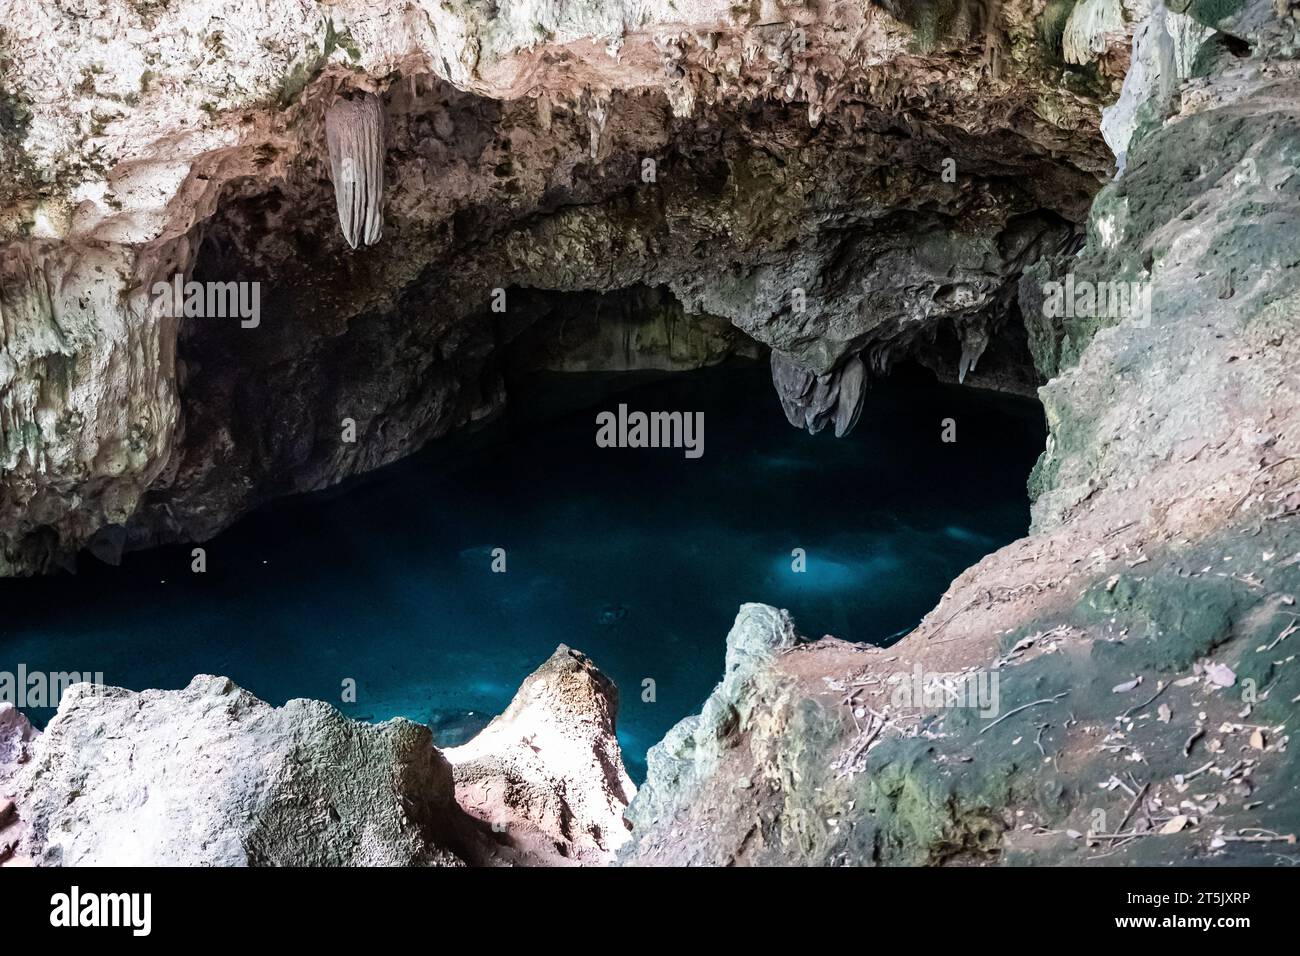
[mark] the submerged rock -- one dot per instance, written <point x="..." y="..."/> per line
<point x="547" y="775"/>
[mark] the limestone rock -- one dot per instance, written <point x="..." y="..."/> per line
<point x="1164" y="48"/>
<point x="17" y="737"/>
<point x="812" y="401"/>
<point x="87" y="386"/>
<point x="212" y="776"/>
<point x="683" y="763"/>
<point x="547" y="774"/>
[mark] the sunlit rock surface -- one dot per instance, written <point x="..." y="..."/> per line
<point x="212" y="776"/>
<point x="547" y="774"/>
<point x="17" y="738"/>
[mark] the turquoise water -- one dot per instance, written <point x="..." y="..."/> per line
<point x="637" y="557"/>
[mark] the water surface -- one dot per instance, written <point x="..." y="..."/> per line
<point x="639" y="558"/>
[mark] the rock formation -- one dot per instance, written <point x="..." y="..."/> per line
<point x="16" y="740"/>
<point x="846" y="186"/>
<point x="742" y="708"/>
<point x="547" y="774"/>
<point x="841" y="184"/>
<point x="212" y="776"/>
<point x="112" y="782"/>
<point x="354" y="133"/>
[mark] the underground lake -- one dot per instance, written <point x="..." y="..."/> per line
<point x="637" y="557"/>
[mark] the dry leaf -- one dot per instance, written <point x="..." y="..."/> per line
<point x="1257" y="740"/>
<point x="1175" y="825"/>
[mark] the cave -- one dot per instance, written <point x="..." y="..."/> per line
<point x="773" y="434"/>
<point x="442" y="580"/>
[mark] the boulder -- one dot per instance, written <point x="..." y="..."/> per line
<point x="547" y="774"/>
<point x="212" y="776"/>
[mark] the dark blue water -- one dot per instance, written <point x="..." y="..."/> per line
<point x="639" y="558"/>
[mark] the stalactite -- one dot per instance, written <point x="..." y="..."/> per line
<point x="974" y="340"/>
<point x="597" y="116"/>
<point x="852" y="388"/>
<point x="813" y="401"/>
<point x="354" y="132"/>
<point x="1086" y="32"/>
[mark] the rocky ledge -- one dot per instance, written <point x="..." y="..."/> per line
<point x="212" y="776"/>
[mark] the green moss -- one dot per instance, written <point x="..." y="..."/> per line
<point x="1171" y="621"/>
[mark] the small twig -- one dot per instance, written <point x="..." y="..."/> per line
<point x="1261" y="838"/>
<point x="1183" y="778"/>
<point x="1250" y="489"/>
<point x="1287" y="632"/>
<point x="1131" y="834"/>
<point x="1137" y="798"/>
<point x="1012" y="713"/>
<point x="1161" y="687"/>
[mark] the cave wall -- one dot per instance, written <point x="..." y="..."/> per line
<point x="842" y="189"/>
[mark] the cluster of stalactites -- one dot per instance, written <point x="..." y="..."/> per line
<point x="354" y="132"/>
<point x="813" y="401"/>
